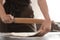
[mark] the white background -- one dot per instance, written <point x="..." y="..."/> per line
<point x="54" y="9"/>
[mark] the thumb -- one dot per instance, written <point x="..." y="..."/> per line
<point x="11" y="16"/>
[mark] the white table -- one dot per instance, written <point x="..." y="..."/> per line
<point x="48" y="36"/>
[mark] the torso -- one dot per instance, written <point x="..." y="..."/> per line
<point x="16" y="6"/>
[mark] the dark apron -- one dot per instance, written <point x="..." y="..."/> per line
<point x="17" y="9"/>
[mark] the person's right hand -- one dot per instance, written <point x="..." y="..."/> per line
<point x="7" y="18"/>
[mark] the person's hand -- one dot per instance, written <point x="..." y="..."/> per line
<point x="7" y="18"/>
<point x="45" y="28"/>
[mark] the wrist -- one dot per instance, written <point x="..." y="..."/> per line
<point x="2" y="15"/>
<point x="48" y="20"/>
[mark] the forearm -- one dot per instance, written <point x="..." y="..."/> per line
<point x="43" y="6"/>
<point x="2" y="11"/>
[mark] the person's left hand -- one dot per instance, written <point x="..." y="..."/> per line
<point x="45" y="28"/>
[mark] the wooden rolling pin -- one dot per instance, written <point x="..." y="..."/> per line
<point x="28" y="20"/>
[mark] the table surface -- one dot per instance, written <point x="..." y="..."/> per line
<point x="48" y="36"/>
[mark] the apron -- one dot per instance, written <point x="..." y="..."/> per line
<point x="21" y="9"/>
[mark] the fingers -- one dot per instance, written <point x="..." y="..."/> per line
<point x="41" y="33"/>
<point x="7" y="19"/>
<point x="43" y="30"/>
<point x="10" y="19"/>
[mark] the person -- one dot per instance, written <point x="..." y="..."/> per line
<point x="22" y="9"/>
